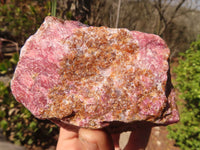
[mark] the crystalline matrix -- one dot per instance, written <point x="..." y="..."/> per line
<point x="95" y="77"/>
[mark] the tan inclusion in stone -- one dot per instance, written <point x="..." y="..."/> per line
<point x="97" y="77"/>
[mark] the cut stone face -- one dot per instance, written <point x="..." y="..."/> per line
<point x="94" y="77"/>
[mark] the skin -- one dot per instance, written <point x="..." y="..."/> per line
<point x="87" y="139"/>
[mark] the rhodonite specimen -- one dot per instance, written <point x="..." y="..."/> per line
<point x="95" y="77"/>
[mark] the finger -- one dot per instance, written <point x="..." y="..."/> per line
<point x="139" y="139"/>
<point x="68" y="140"/>
<point x="95" y="139"/>
<point x="115" y="138"/>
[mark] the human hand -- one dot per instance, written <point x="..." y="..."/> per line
<point x="87" y="139"/>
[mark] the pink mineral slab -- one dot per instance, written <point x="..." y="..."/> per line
<point x="95" y="77"/>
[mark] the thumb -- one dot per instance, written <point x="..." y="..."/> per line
<point x="95" y="139"/>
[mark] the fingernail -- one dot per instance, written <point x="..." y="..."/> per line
<point x="88" y="145"/>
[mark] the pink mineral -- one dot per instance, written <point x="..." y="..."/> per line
<point x="95" y="77"/>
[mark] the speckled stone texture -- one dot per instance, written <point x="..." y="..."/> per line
<point x="95" y="77"/>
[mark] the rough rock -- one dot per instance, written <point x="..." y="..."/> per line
<point x="95" y="77"/>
